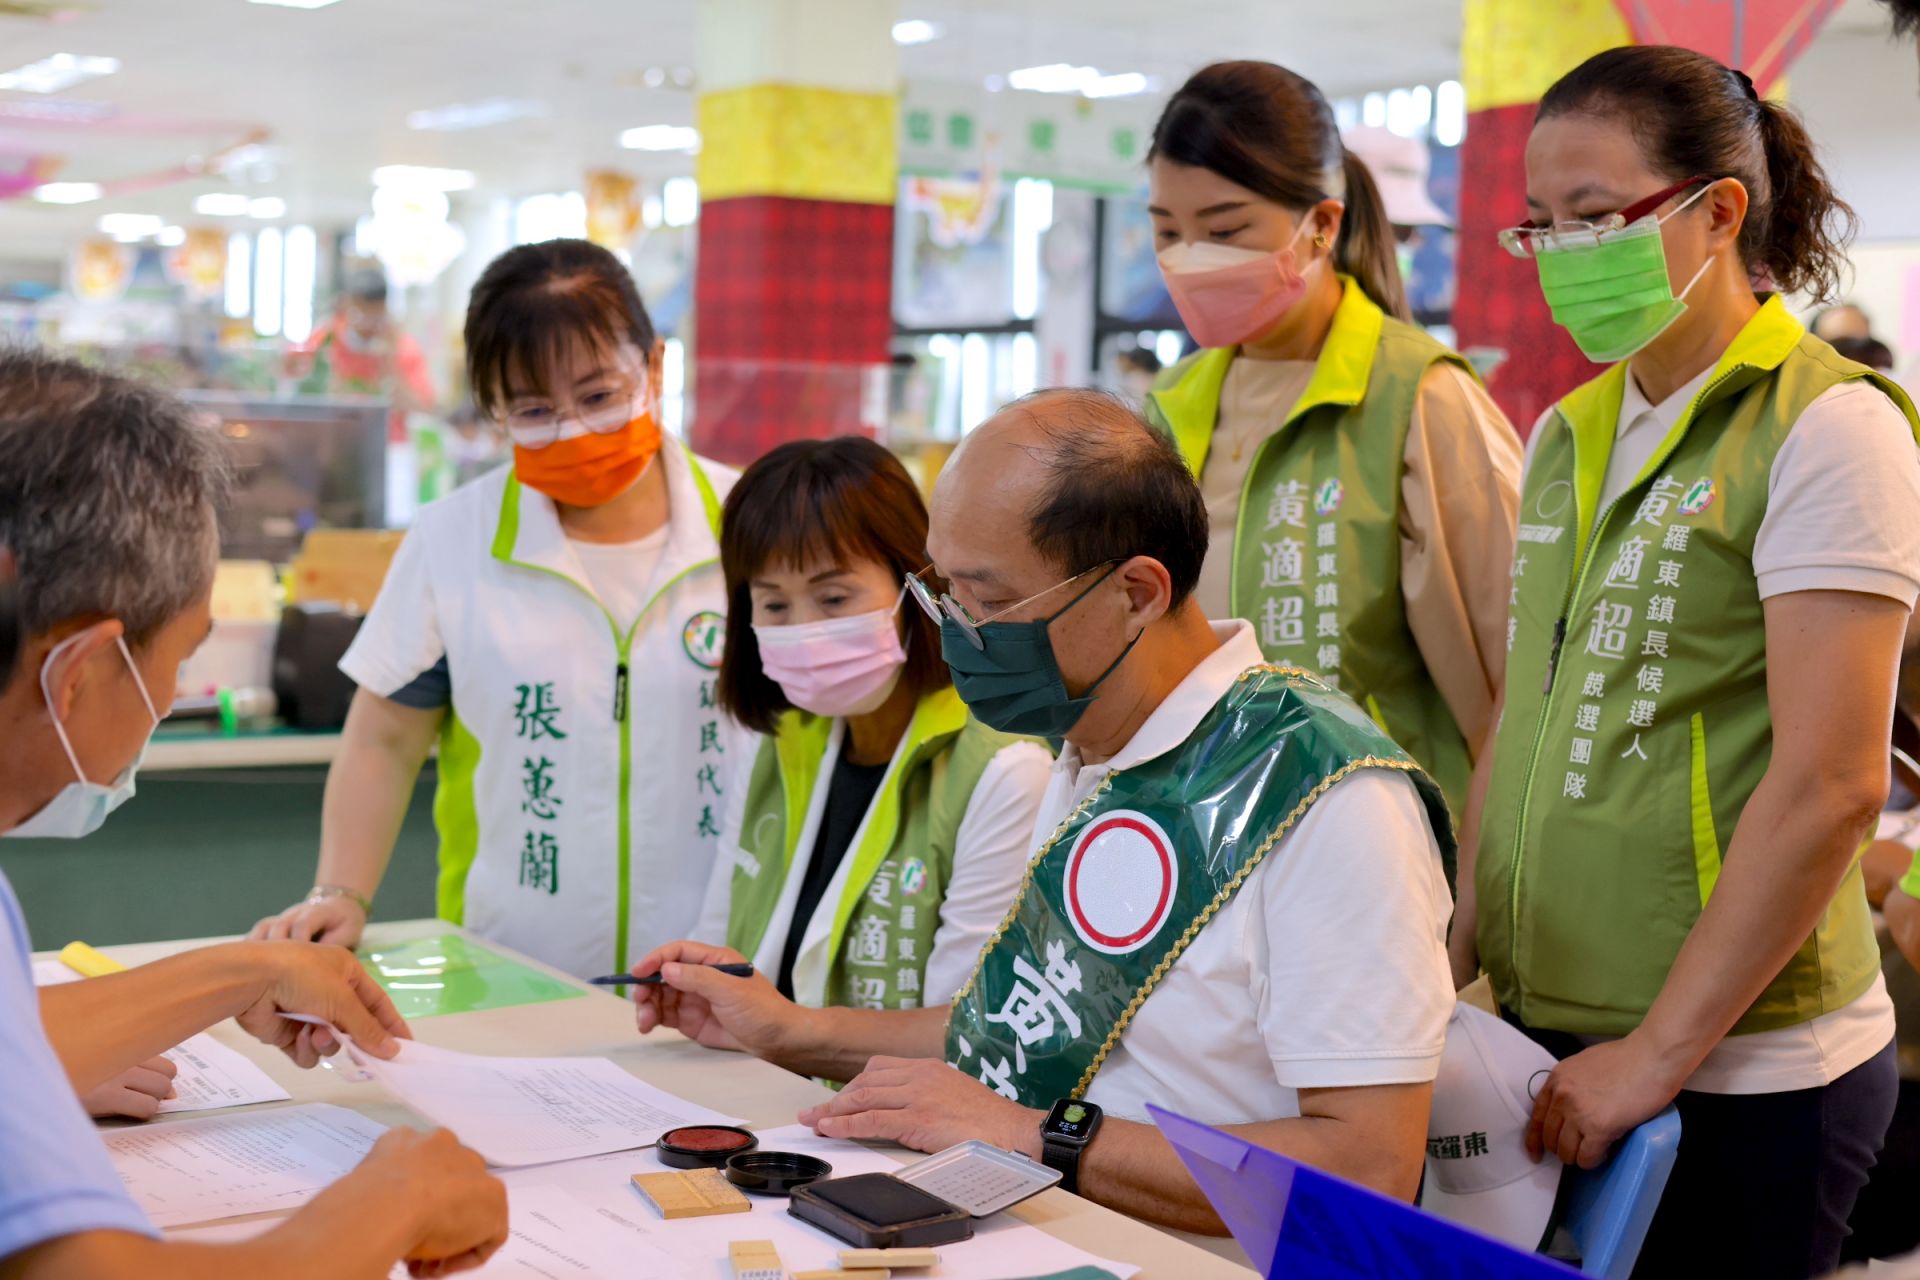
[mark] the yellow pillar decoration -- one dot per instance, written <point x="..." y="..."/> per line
<point x="1512" y="50"/>
<point x="800" y="141"/>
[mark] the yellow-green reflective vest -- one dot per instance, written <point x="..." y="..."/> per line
<point x="1317" y="545"/>
<point x="885" y="921"/>
<point x="1636" y="722"/>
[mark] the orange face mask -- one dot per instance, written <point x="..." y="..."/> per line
<point x="591" y="469"/>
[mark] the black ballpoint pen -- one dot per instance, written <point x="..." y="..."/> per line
<point x="628" y="980"/>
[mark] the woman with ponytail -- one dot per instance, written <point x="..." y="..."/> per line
<point x="1360" y="484"/>
<point x="1721" y="546"/>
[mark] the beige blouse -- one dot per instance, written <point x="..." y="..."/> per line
<point x="1459" y="501"/>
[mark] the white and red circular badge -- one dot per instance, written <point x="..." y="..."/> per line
<point x="1120" y="881"/>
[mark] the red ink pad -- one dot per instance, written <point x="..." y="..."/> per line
<point x="703" y="1146"/>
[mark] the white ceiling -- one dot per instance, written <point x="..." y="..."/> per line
<point x="334" y="85"/>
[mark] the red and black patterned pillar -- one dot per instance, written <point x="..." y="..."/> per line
<point x="797" y="172"/>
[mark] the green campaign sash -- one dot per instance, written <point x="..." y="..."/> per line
<point x="1138" y="869"/>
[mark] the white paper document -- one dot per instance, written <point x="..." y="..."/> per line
<point x="51" y="973"/>
<point x="555" y="1235"/>
<point x="213" y="1167"/>
<point x="583" y="1219"/>
<point x="1002" y="1248"/>
<point x="211" y="1075"/>
<point x="526" y="1111"/>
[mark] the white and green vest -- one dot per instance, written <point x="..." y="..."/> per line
<point x="583" y="761"/>
<point x="1317" y="546"/>
<point x="901" y="862"/>
<point x="1129" y="879"/>
<point x="1636" y="722"/>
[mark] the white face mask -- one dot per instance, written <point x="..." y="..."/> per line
<point x="82" y="806"/>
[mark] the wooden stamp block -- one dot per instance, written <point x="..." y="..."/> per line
<point x="698" y="1193"/>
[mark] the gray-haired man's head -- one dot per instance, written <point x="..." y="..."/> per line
<point x="108" y="494"/>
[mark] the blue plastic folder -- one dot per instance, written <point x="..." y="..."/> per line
<point x="1302" y="1224"/>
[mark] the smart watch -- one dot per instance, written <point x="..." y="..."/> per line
<point x="1064" y="1135"/>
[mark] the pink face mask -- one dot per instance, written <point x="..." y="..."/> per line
<point x="1227" y="295"/>
<point x="837" y="666"/>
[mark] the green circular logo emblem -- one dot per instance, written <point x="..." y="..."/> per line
<point x="1328" y="498"/>
<point x="705" y="638"/>
<point x="913" y="876"/>
<point x="1699" y="497"/>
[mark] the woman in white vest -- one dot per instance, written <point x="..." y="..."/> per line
<point x="556" y="628"/>
<point x="876" y="834"/>
<point x="1719" y="550"/>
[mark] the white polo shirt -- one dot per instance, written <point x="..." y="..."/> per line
<point x="1328" y="969"/>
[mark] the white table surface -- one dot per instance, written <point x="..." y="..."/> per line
<point x="601" y="1025"/>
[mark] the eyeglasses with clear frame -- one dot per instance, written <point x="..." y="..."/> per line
<point x="1530" y="239"/>
<point x="938" y="603"/>
<point x="602" y="411"/>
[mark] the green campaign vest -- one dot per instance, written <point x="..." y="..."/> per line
<point x="884" y="924"/>
<point x="1126" y="883"/>
<point x="1636" y="722"/>
<point x="1317" y="545"/>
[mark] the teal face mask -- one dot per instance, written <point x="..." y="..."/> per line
<point x="1010" y="680"/>
<point x="1612" y="293"/>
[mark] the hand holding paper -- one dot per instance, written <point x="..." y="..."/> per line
<point x="323" y="982"/>
<point x="197" y="1074"/>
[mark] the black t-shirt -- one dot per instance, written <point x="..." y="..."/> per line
<point x="849" y="793"/>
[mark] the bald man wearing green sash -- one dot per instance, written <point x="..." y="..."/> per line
<point x="1236" y="903"/>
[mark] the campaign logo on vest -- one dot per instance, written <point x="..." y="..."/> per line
<point x="913" y="876"/>
<point x="1120" y="881"/>
<point x="1699" y="497"/>
<point x="1328" y="497"/>
<point x="705" y="638"/>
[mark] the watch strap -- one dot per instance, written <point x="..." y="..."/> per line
<point x="1064" y="1158"/>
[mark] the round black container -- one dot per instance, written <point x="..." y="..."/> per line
<point x="693" y="1146"/>
<point x="775" y="1173"/>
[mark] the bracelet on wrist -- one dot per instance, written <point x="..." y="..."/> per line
<point x="323" y="892"/>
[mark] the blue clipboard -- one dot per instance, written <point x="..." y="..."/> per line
<point x="1302" y="1224"/>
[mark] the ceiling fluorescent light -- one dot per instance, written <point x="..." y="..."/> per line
<point x="67" y="192"/>
<point x="60" y="71"/>
<point x="661" y="137"/>
<point x="221" y="204"/>
<point x="172" y="237"/>
<point x="1124" y="85"/>
<point x="1060" y="77"/>
<point x="916" y="31"/>
<point x="474" y="115"/>
<point x="1055" y="77"/>
<point x="266" y="207"/>
<point x="423" y="176"/>
<point x="129" y="227"/>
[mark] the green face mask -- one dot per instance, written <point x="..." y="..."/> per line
<point x="1614" y="296"/>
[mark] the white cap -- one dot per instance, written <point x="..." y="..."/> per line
<point x="1478" y="1172"/>
<point x="1399" y="167"/>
